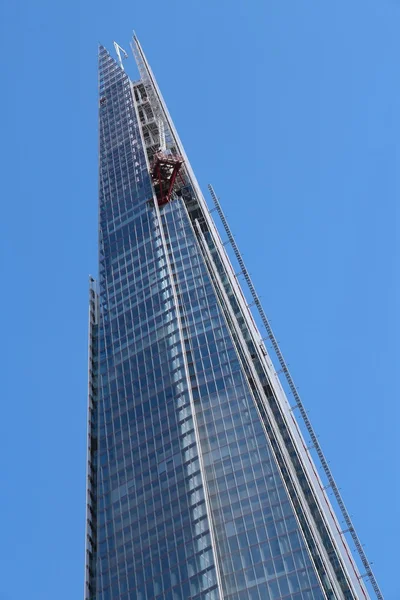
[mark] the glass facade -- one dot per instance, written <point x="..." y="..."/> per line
<point x="188" y="497"/>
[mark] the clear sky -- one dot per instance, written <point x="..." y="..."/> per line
<point x="291" y="109"/>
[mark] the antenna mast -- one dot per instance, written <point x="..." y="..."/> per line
<point x="118" y="50"/>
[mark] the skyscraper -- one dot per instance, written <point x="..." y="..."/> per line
<point x="200" y="484"/>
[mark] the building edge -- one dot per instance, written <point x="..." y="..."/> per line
<point x="91" y="452"/>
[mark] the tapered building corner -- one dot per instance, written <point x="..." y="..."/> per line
<point x="199" y="483"/>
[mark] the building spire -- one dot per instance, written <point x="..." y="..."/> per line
<point x="119" y="50"/>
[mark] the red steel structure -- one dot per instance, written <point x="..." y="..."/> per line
<point x="164" y="172"/>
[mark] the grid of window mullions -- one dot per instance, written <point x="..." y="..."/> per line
<point x="117" y="166"/>
<point x="307" y="583"/>
<point x="117" y="336"/>
<point x="304" y="483"/>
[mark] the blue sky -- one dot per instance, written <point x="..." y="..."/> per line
<point x="290" y="108"/>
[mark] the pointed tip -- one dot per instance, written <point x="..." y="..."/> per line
<point x="136" y="39"/>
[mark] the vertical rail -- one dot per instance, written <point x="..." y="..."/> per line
<point x="91" y="476"/>
<point x="297" y="398"/>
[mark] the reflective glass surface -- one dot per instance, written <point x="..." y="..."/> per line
<point x="190" y="503"/>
